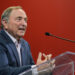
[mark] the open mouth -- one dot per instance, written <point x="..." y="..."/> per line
<point x="21" y="28"/>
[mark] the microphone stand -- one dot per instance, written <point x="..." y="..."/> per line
<point x="48" y="34"/>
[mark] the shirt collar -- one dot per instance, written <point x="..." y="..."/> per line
<point x="12" y="38"/>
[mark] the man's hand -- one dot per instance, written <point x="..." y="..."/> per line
<point x="46" y="57"/>
<point x="48" y="66"/>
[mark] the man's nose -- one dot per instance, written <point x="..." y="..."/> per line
<point x="24" y="22"/>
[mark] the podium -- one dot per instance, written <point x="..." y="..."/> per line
<point x="64" y="65"/>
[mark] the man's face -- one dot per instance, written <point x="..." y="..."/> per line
<point x="17" y="23"/>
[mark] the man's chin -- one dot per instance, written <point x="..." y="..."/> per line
<point x="21" y="35"/>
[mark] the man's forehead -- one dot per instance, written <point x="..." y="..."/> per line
<point x="18" y="12"/>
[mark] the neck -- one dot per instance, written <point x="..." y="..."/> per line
<point x="15" y="36"/>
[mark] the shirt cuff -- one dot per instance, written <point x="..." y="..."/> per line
<point x="34" y="70"/>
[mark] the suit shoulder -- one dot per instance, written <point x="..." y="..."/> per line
<point x="2" y="40"/>
<point x="24" y="41"/>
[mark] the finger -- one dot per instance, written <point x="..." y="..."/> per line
<point x="53" y="61"/>
<point x="45" y="56"/>
<point x="49" y="56"/>
<point x="39" y="56"/>
<point x="53" y="66"/>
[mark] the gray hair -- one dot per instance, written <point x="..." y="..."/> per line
<point x="5" y="15"/>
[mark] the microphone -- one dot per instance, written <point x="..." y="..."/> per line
<point x="49" y="34"/>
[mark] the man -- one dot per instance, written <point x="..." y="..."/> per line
<point x="15" y="55"/>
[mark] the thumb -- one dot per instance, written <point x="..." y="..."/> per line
<point x="39" y="56"/>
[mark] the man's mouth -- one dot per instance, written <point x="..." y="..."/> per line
<point x="21" y="28"/>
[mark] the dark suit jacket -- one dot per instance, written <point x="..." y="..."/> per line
<point x="9" y="59"/>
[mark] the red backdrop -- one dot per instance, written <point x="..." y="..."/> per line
<point x="54" y="16"/>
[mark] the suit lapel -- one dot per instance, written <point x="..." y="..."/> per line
<point x="15" y="52"/>
<point x="24" y="53"/>
<point x="12" y="45"/>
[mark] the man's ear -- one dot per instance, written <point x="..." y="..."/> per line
<point x="4" y="22"/>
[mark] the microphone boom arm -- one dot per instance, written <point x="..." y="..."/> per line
<point x="49" y="34"/>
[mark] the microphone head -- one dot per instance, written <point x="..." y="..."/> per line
<point x="47" y="34"/>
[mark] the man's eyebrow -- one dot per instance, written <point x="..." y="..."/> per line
<point x="19" y="17"/>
